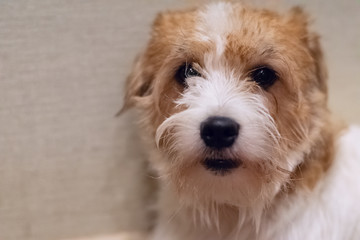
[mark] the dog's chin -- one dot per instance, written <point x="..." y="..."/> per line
<point x="221" y="180"/>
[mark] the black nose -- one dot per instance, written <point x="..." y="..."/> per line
<point x="219" y="132"/>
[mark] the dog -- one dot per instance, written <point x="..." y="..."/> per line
<point x="233" y="106"/>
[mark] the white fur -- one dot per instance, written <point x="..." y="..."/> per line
<point x="219" y="92"/>
<point x="214" y="24"/>
<point x="331" y="212"/>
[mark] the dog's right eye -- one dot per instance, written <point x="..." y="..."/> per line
<point x="185" y="71"/>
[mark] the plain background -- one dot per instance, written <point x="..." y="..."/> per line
<point x="68" y="166"/>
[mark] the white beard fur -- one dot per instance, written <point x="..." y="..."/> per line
<point x="330" y="212"/>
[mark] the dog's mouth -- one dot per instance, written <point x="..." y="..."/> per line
<point x="220" y="166"/>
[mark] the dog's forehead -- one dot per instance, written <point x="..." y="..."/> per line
<point x="232" y="35"/>
<point x="234" y="32"/>
<point x="234" y="26"/>
<point x="216" y="21"/>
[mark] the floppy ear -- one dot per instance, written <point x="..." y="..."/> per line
<point x="317" y="54"/>
<point x="138" y="84"/>
<point x="300" y="21"/>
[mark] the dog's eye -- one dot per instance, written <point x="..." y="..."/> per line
<point x="264" y="76"/>
<point x="185" y="71"/>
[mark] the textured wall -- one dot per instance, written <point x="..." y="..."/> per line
<point x="68" y="167"/>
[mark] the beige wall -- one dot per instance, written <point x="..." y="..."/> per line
<point x="68" y="167"/>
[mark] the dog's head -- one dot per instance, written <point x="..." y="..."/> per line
<point x="233" y="97"/>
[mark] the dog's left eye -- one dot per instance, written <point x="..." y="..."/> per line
<point x="264" y="76"/>
<point x="185" y="71"/>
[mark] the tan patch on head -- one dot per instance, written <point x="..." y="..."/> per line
<point x="318" y="161"/>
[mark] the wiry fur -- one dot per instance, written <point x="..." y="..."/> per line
<point x="294" y="164"/>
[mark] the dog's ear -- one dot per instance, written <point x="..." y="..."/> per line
<point x="301" y="23"/>
<point x="164" y="34"/>
<point x="138" y="84"/>
<point x="317" y="54"/>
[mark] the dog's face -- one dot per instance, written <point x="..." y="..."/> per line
<point x="233" y="97"/>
